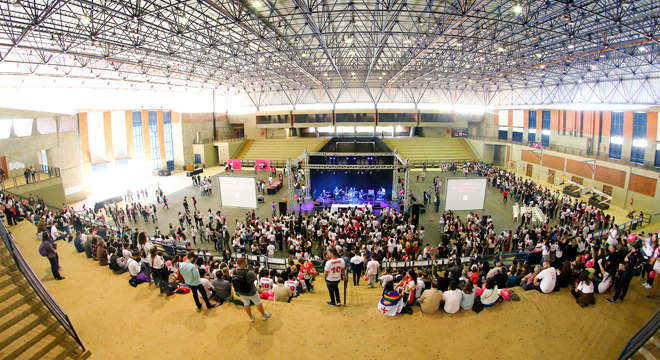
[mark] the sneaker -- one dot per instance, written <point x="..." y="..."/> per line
<point x="338" y="303"/>
<point x="212" y="306"/>
<point x="251" y="318"/>
<point x="647" y="286"/>
<point x="330" y="303"/>
<point x="267" y="316"/>
<point x="611" y="301"/>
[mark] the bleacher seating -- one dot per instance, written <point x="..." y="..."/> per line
<point x="279" y="149"/>
<point x="431" y="149"/>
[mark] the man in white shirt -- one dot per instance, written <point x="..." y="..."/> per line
<point x="452" y="298"/>
<point x="372" y="271"/>
<point x="206" y="283"/>
<point x="271" y="249"/>
<point x="545" y="281"/>
<point x="334" y="271"/>
<point x="357" y="265"/>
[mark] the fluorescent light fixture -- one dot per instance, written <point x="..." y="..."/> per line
<point x="318" y="107"/>
<point x="504" y="128"/>
<point x="354" y="106"/>
<point x="437" y="107"/>
<point x="403" y="106"/>
<point x="345" y="129"/>
<point x="242" y="110"/>
<point x="640" y="143"/>
<point x="546" y="132"/>
<point x="364" y="129"/>
<point x="276" y="108"/>
<point x="616" y="140"/>
<point x="532" y="131"/>
<point x="469" y="109"/>
<point x="519" y="130"/>
<point x="388" y="129"/>
<point x="326" y="129"/>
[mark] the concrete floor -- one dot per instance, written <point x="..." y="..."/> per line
<point x="115" y="320"/>
<point x="178" y="185"/>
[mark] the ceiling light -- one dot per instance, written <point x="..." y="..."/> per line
<point x="517" y="9"/>
<point x="641" y="48"/>
<point x="383" y="73"/>
<point x="398" y="52"/>
<point x="391" y="61"/>
<point x="571" y="46"/>
<point x="538" y="55"/>
<point x="625" y="3"/>
<point x="380" y="77"/>
<point x="500" y="49"/>
<point x="352" y="52"/>
<point x="467" y="66"/>
<point x="353" y="73"/>
<point x="347" y="39"/>
<point x="325" y="74"/>
<point x="256" y="4"/>
<point x="84" y="20"/>
<point x="183" y="20"/>
<point x="542" y="66"/>
<point x="17" y="4"/>
<point x="408" y="40"/>
<point x="305" y="55"/>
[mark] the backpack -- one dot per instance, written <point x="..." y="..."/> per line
<point x="42" y="249"/>
<point x="239" y="282"/>
<point x="478" y="305"/>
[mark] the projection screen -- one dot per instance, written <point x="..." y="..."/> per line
<point x="238" y="191"/>
<point x="465" y="194"/>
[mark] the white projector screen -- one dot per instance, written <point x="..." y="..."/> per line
<point x="238" y="191"/>
<point x="465" y="194"/>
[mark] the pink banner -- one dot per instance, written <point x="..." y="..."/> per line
<point x="258" y="165"/>
<point x="235" y="164"/>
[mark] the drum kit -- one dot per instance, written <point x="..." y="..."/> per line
<point x="349" y="196"/>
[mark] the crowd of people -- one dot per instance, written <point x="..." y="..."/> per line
<point x="361" y="242"/>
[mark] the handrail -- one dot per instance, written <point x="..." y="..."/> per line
<point x="598" y="155"/>
<point x="628" y="225"/>
<point x="37" y="286"/>
<point x="638" y="340"/>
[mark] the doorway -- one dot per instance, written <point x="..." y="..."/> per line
<point x="530" y="168"/>
<point x="551" y="177"/>
<point x="607" y="190"/>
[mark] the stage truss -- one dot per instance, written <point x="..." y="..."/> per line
<point x="302" y="162"/>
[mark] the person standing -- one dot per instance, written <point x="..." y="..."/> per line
<point x="51" y="253"/>
<point x="243" y="282"/>
<point x="357" y="266"/>
<point x="505" y="195"/>
<point x="372" y="271"/>
<point x="190" y="273"/>
<point x="630" y="262"/>
<point x="334" y="271"/>
<point x="274" y="208"/>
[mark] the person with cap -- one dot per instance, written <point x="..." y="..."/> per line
<point x="630" y="262"/>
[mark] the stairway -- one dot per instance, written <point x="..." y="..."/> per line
<point x="650" y="350"/>
<point x="28" y="330"/>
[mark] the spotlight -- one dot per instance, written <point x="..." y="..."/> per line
<point x="346" y="172"/>
<point x="354" y="158"/>
<point x="322" y="172"/>
<point x="334" y="173"/>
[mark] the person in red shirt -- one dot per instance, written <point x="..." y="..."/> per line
<point x="505" y="194"/>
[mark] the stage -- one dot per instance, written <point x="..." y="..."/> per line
<point x="310" y="207"/>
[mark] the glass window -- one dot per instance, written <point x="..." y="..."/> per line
<point x="616" y="135"/>
<point x="639" y="142"/>
<point x="138" y="141"/>
<point x="546" y="120"/>
<point x="532" y="119"/>
<point x="503" y="133"/>
<point x="153" y="140"/>
<point x="167" y="127"/>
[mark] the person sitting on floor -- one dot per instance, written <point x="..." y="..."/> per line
<point x="222" y="285"/>
<point x="584" y="293"/>
<point x="430" y="299"/>
<point x="452" y="298"/>
<point x="117" y="263"/>
<point x="391" y="303"/>
<point x="281" y="292"/>
<point x="491" y="293"/>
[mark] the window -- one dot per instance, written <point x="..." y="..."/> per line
<point x="137" y="135"/>
<point x="531" y="135"/>
<point x="616" y="135"/>
<point x="503" y="133"/>
<point x="517" y="135"/>
<point x="545" y="134"/>
<point x="657" y="155"/>
<point x="639" y="138"/>
<point x="167" y="127"/>
<point x="532" y="119"/>
<point x="153" y="140"/>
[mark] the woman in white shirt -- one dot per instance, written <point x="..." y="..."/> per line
<point x="491" y="293"/>
<point x="584" y="293"/>
<point x="157" y="264"/>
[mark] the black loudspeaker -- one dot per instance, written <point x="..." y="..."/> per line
<point x="283" y="208"/>
<point x="415" y="214"/>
